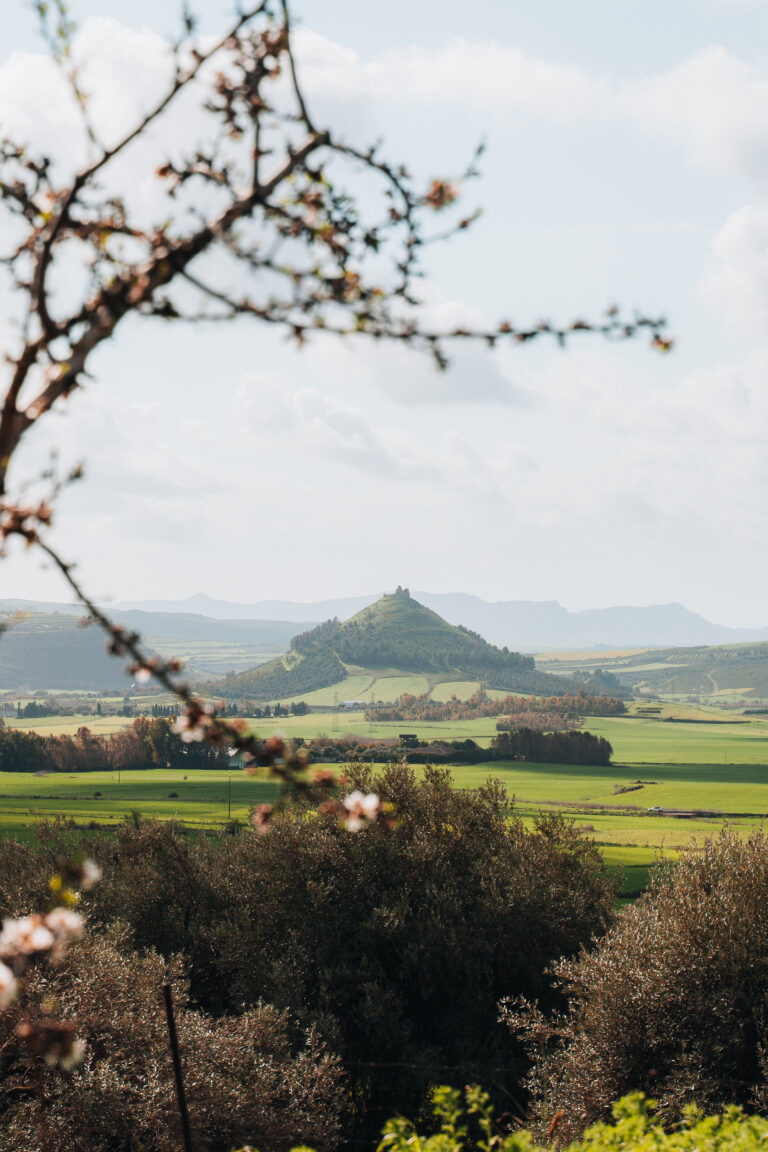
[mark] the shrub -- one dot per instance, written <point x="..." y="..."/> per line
<point x="672" y="1001"/>
<point x="245" y="1079"/>
<point x="396" y="942"/>
<point x="468" y="1123"/>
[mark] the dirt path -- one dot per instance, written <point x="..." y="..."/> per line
<point x="713" y="682"/>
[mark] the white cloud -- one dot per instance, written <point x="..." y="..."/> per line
<point x="714" y="106"/>
<point x="317" y="425"/>
<point x="487" y="74"/>
<point x="474" y="375"/>
<point x="735" y="281"/>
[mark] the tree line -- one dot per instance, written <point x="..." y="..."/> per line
<point x="480" y="705"/>
<point x="529" y="744"/>
<point x="148" y="743"/>
<point x="552" y="747"/>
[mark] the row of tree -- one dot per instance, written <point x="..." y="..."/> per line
<point x="480" y="705"/>
<point x="551" y="747"/>
<point x="148" y="743"/>
<point x="570" y="746"/>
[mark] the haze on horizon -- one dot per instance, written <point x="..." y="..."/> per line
<point x="628" y="167"/>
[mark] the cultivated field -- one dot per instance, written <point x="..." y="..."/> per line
<point x="699" y="773"/>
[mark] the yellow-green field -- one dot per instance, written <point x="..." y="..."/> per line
<point x="389" y="686"/>
<point x="202" y="799"/>
<point x="699" y="773"/>
<point x="68" y="725"/>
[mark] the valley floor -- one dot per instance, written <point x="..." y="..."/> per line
<point x="699" y="774"/>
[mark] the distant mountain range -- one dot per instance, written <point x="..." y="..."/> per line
<point x="525" y="625"/>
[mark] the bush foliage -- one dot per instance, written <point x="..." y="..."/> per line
<point x="468" y="1123"/>
<point x="395" y="943"/>
<point x="672" y="1001"/>
<point x="246" y="1078"/>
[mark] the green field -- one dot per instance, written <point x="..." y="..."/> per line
<point x="213" y="657"/>
<point x="68" y="725"/>
<point x="367" y="687"/>
<point x="202" y="799"/>
<point x="699" y="773"/>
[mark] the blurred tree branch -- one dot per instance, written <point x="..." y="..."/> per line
<point x="264" y="195"/>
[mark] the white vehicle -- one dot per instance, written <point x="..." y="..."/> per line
<point x="656" y="810"/>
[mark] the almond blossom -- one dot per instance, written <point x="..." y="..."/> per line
<point x="65" y="924"/>
<point x="24" y="936"/>
<point x="261" y="818"/>
<point x="90" y="874"/>
<point x="193" y="723"/>
<point x="361" y="809"/>
<point x="69" y="1059"/>
<point x="7" y="986"/>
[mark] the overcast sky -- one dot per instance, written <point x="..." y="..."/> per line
<point x="627" y="161"/>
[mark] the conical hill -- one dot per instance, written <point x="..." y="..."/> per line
<point x="396" y="633"/>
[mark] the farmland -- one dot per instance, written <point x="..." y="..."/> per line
<point x="699" y="769"/>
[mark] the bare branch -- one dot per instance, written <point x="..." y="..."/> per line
<point x="342" y="269"/>
<point x="292" y="63"/>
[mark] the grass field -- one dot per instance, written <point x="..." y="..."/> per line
<point x="204" y="799"/>
<point x="367" y="687"/>
<point x="213" y="657"/>
<point x="708" y="769"/>
<point x="68" y="725"/>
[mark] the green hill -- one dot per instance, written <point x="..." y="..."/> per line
<point x="725" y="670"/>
<point x="54" y="651"/>
<point x="398" y="634"/>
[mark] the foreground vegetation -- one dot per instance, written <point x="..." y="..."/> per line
<point x="393" y="945"/>
<point x="326" y="980"/>
<point x="670" y="1001"/>
<point x="699" y="773"/>
<point x="466" y="1120"/>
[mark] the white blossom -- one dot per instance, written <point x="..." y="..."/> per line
<point x="71" y="1059"/>
<point x="192" y="726"/>
<point x="65" y="924"/>
<point x="360" y="809"/>
<point x="7" y="986"/>
<point x="26" y="935"/>
<point x="90" y="874"/>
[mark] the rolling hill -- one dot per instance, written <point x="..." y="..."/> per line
<point x="723" y="671"/>
<point x="51" y="651"/>
<point x="398" y="634"/>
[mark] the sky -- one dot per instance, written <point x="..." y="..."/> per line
<point x="627" y="157"/>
